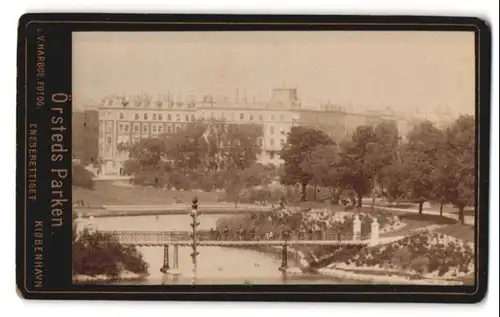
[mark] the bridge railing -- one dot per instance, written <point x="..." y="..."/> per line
<point x="149" y="236"/>
<point x="270" y="236"/>
<point x="168" y="236"/>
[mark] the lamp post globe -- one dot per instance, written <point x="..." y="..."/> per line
<point x="194" y="206"/>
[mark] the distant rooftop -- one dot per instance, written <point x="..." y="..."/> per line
<point x="281" y="98"/>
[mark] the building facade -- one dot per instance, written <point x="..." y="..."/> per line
<point x="125" y="120"/>
<point x="339" y="123"/>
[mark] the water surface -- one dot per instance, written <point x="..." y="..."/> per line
<point x="216" y="265"/>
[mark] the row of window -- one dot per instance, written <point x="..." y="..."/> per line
<point x="323" y="118"/>
<point x="271" y="131"/>
<point x="243" y="116"/>
<point x="187" y="118"/>
<point x="148" y="102"/>
<point x="159" y="117"/>
<point x="145" y="128"/>
<point x="160" y="129"/>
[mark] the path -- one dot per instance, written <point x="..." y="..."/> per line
<point x="391" y="239"/>
<point x="469" y="220"/>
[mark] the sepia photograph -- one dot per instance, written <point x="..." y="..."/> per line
<point x="274" y="157"/>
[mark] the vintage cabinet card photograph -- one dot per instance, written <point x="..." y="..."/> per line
<point x="219" y="157"/>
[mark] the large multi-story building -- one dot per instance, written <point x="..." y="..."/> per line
<point x="339" y="123"/>
<point x="124" y="120"/>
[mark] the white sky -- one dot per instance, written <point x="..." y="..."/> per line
<point x="370" y="69"/>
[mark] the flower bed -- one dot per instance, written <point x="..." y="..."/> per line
<point x="310" y="223"/>
<point x="426" y="254"/>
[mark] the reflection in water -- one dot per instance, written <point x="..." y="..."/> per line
<point x="216" y="265"/>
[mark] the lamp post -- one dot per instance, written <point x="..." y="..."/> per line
<point x="194" y="225"/>
<point x="284" y="259"/>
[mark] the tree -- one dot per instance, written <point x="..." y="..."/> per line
<point x="441" y="180"/>
<point x="232" y="145"/>
<point x="198" y="152"/>
<point x="322" y="164"/>
<point x="217" y="145"/>
<point x="420" y="156"/>
<point x="243" y="144"/>
<point x="235" y="180"/>
<point x="301" y="142"/>
<point x="460" y="163"/>
<point x="147" y="162"/>
<point x="148" y="153"/>
<point x="131" y="166"/>
<point x="187" y="149"/>
<point x="255" y="175"/>
<point x="356" y="164"/>
<point x="383" y="153"/>
<point x="391" y="180"/>
<point x="81" y="177"/>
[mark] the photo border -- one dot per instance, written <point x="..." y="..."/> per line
<point x="68" y="23"/>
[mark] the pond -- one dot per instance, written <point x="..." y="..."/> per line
<point x="216" y="265"/>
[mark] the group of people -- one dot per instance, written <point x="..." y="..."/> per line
<point x="252" y="235"/>
<point x="265" y="202"/>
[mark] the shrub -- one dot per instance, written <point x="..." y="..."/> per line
<point x="100" y="254"/>
<point x="402" y="258"/>
<point x="256" y="194"/>
<point x="131" y="166"/>
<point x="277" y="193"/>
<point x="425" y="252"/>
<point x="148" y="178"/>
<point x="205" y="180"/>
<point x="81" y="177"/>
<point x="420" y="264"/>
<point x="434" y="264"/>
<point x="177" y="180"/>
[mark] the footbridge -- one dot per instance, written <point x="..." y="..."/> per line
<point x="172" y="240"/>
<point x="184" y="238"/>
<point x="201" y="238"/>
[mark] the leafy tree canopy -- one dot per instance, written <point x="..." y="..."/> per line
<point x="301" y="142"/>
<point x="458" y="161"/>
<point x="420" y="157"/>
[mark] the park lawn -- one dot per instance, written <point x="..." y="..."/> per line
<point x="414" y="221"/>
<point x="448" y="208"/>
<point x="468" y="211"/>
<point x="105" y="193"/>
<point x="451" y="227"/>
<point x="459" y="231"/>
<point x="409" y="227"/>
